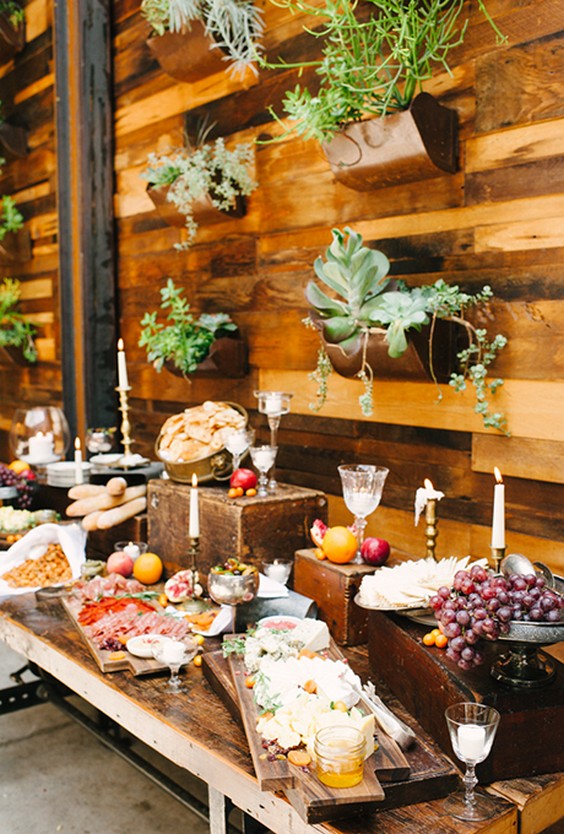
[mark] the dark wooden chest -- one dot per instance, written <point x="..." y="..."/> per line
<point x="251" y="529"/>
<point x="528" y="740"/>
<point x="334" y="587"/>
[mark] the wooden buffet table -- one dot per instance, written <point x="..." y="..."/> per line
<point x="196" y="732"/>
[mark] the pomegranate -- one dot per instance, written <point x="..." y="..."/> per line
<point x="375" y="551"/>
<point x="180" y="586"/>
<point x="317" y="532"/>
<point x="244" y="478"/>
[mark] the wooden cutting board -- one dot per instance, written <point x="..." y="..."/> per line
<point x="136" y="665"/>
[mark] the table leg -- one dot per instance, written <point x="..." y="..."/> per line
<point x="219" y="807"/>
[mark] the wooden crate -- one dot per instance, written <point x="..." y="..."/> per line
<point x="427" y="683"/>
<point x="252" y="529"/>
<point x="333" y="587"/>
<point x="100" y="543"/>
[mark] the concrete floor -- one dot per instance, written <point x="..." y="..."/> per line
<point x="56" y="778"/>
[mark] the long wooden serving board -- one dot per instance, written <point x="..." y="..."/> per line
<point x="308" y="795"/>
<point x="136" y="665"/>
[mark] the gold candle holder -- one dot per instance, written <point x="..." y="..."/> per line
<point x="431" y="531"/>
<point x="125" y="424"/>
<point x="193" y="554"/>
<point x="498" y="553"/>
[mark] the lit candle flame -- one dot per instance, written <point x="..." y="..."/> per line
<point x="428" y="484"/>
<point x="497" y="474"/>
<point x="194" y="479"/>
<point x="77" y="444"/>
<point x="120" y="344"/>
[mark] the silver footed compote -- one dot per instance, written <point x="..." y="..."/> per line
<point x="233" y="583"/>
<point x="362" y="490"/>
<point x="472" y="728"/>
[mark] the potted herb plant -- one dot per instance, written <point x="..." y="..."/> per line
<point x="375" y="58"/>
<point x="370" y="323"/>
<point x="12" y="29"/>
<point x="194" y="38"/>
<point x="210" y="345"/>
<point x="14" y="242"/>
<point x="207" y="184"/>
<point x="16" y="332"/>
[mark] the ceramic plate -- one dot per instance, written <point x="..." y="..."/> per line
<point x="279" y="621"/>
<point x="417" y="608"/>
<point x="142" y="646"/>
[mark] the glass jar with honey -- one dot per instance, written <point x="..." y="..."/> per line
<point x="339" y="755"/>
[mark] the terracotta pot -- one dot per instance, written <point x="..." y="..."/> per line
<point x="228" y="358"/>
<point x="204" y="210"/>
<point x="13" y="142"/>
<point x="448" y="339"/>
<point x="15" y="247"/>
<point x="11" y="40"/>
<point x="187" y="56"/>
<point x="415" y="144"/>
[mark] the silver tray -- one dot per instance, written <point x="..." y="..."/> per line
<point x="417" y="609"/>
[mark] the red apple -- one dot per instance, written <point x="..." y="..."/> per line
<point x="120" y="562"/>
<point x="244" y="478"/>
<point x="375" y="551"/>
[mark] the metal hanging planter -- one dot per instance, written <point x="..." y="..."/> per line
<point x="187" y="56"/>
<point x="228" y="358"/>
<point x="203" y="209"/>
<point x="12" y="38"/>
<point x="412" y="145"/>
<point x="13" y="142"/>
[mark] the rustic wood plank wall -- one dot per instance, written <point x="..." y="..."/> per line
<point x="26" y="91"/>
<point x="498" y="220"/>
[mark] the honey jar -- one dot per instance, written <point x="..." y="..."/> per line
<point x="339" y="755"/>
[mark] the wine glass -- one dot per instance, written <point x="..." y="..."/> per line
<point x="174" y="654"/>
<point x="362" y="490"/>
<point x="274" y="404"/>
<point x="228" y="588"/>
<point x="100" y="440"/>
<point x="39" y="435"/>
<point x="472" y="729"/>
<point x="263" y="458"/>
<point x="237" y="442"/>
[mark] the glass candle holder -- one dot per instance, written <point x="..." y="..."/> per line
<point x="339" y="756"/>
<point x="273" y="404"/>
<point x="39" y="435"/>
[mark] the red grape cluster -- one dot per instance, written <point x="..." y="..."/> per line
<point x="481" y="604"/>
<point x="24" y="483"/>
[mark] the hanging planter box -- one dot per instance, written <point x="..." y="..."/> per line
<point x="205" y="212"/>
<point x="13" y="142"/>
<point x="412" y="145"/>
<point x="15" y="247"/>
<point x="187" y="56"/>
<point x="12" y="40"/>
<point x="228" y="358"/>
<point x="14" y="356"/>
<point x="448" y="339"/>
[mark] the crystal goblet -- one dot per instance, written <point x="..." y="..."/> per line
<point x="233" y="588"/>
<point x="174" y="654"/>
<point x="472" y="728"/>
<point x="263" y="458"/>
<point x="237" y="443"/>
<point x="274" y="404"/>
<point x="362" y="490"/>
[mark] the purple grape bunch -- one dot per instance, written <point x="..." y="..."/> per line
<point x="25" y="484"/>
<point x="482" y="604"/>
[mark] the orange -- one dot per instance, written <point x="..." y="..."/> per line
<point x="339" y="545"/>
<point x="148" y="568"/>
<point x="429" y="639"/>
<point x="441" y="642"/>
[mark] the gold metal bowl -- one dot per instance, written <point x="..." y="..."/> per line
<point x="216" y="466"/>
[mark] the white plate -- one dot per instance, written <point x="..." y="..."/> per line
<point x="142" y="646"/>
<point x="274" y="619"/>
<point x="419" y="607"/>
<point x="106" y="460"/>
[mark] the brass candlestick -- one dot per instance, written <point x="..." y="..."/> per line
<point x="498" y="553"/>
<point x="431" y="531"/>
<point x="193" y="554"/>
<point x="125" y="424"/>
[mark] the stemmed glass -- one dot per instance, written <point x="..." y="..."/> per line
<point x="362" y="490"/>
<point x="472" y="729"/>
<point x="274" y="404"/>
<point x="263" y="458"/>
<point x="237" y="442"/>
<point x="39" y="435"/>
<point x="174" y="654"/>
<point x="233" y="588"/>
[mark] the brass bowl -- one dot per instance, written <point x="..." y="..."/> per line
<point x="216" y="466"/>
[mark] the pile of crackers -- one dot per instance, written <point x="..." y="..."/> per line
<point x="198" y="432"/>
<point x="50" y="568"/>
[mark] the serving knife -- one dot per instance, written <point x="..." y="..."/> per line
<point x="387" y="720"/>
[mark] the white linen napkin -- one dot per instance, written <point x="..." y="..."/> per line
<point x="71" y="538"/>
<point x="270" y="589"/>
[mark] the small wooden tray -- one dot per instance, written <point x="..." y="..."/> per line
<point x="136" y="665"/>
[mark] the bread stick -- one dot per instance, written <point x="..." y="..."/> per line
<point x="118" y="514"/>
<point x="85" y="491"/>
<point x="90" y="521"/>
<point x="116" y="486"/>
<point x="104" y="501"/>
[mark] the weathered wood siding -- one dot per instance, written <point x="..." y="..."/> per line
<point x="498" y="220"/>
<point x="26" y="91"/>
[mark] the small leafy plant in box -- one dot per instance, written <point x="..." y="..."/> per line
<point x="182" y="340"/>
<point x="364" y="302"/>
<point x="211" y="169"/>
<point x="15" y="330"/>
<point x="12" y="11"/>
